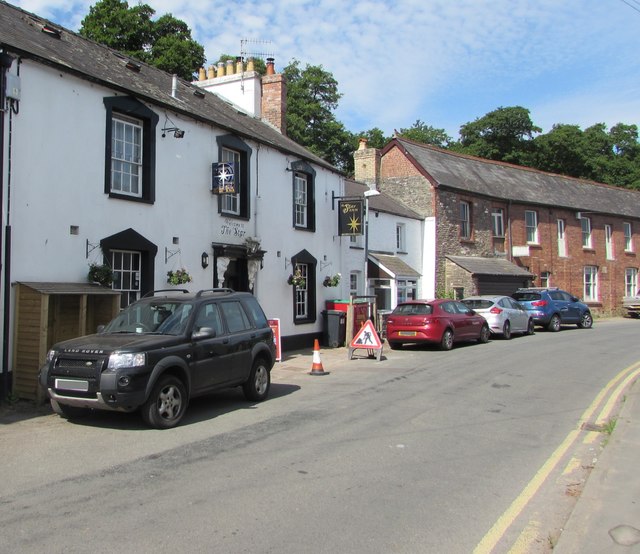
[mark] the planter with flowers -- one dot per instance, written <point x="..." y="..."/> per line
<point x="178" y="277"/>
<point x="297" y="280"/>
<point x="101" y="274"/>
<point x="332" y="280"/>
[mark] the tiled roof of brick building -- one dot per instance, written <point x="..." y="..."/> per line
<point x="518" y="184"/>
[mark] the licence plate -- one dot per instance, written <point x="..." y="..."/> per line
<point x="72" y="384"/>
<point x="407" y="333"/>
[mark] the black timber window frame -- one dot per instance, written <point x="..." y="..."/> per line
<point x="130" y="108"/>
<point x="243" y="181"/>
<point x="302" y="171"/>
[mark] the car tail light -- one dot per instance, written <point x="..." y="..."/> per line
<point x="539" y="303"/>
<point x="495" y="310"/>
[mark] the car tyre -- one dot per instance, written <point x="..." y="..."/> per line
<point x="446" y="342"/>
<point x="586" y="321"/>
<point x="554" y="323"/>
<point x="395" y="345"/>
<point x="485" y="333"/>
<point x="256" y="388"/>
<point x="166" y="404"/>
<point x="506" y="330"/>
<point x="69" y="412"/>
<point x="531" y="327"/>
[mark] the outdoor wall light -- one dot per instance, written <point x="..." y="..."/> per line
<point x="177" y="133"/>
<point x="204" y="260"/>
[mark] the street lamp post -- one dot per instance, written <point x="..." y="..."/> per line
<point x="367" y="195"/>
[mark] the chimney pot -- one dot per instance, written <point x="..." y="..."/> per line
<point x="362" y="145"/>
<point x="229" y="67"/>
<point x="220" y="69"/>
<point x="270" y="67"/>
<point x="211" y="73"/>
<point x="250" y="66"/>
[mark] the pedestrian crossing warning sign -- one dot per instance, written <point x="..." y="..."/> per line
<point x="367" y="338"/>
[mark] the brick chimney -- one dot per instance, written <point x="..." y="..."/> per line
<point x="274" y="98"/>
<point x="264" y="97"/>
<point x="366" y="163"/>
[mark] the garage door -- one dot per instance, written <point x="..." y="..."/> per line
<point x="493" y="284"/>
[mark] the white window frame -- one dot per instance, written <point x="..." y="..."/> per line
<point x="302" y="293"/>
<point x="354" y="283"/>
<point x="126" y="266"/>
<point x="562" y="239"/>
<point x="497" y="218"/>
<point x="464" y="213"/>
<point x="628" y="237"/>
<point x="401" y="240"/>
<point x="126" y="155"/>
<point x="608" y="242"/>
<point x="587" y="235"/>
<point x="545" y="278"/>
<point x="631" y="281"/>
<point x="231" y="202"/>
<point x="301" y="198"/>
<point x="531" y="226"/>
<point x="590" y="283"/>
<point x="407" y="289"/>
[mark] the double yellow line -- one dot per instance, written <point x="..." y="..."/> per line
<point x="612" y="392"/>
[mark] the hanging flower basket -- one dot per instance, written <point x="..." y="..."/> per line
<point x="332" y="280"/>
<point x="178" y="277"/>
<point x="296" y="279"/>
<point x="101" y="274"/>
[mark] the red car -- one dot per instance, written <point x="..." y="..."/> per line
<point x="439" y="321"/>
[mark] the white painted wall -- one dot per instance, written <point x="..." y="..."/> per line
<point x="57" y="180"/>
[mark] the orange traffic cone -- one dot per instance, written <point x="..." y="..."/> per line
<point x="316" y="367"/>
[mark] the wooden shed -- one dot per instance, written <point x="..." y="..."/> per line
<point x="46" y="313"/>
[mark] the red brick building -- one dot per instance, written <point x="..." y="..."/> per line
<point x="500" y="226"/>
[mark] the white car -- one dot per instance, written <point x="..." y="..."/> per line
<point x="504" y="315"/>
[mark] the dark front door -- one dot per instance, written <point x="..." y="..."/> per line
<point x="237" y="277"/>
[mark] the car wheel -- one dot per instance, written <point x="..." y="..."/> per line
<point x="395" y="345"/>
<point x="531" y="327"/>
<point x="257" y="386"/>
<point x="554" y="323"/>
<point x="69" y="412"/>
<point x="586" y="321"/>
<point x="485" y="333"/>
<point x="446" y="342"/>
<point x="506" y="330"/>
<point x="167" y="403"/>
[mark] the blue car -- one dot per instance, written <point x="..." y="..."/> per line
<point x="552" y="307"/>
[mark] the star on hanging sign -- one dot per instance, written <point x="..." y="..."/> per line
<point x="354" y="225"/>
<point x="224" y="176"/>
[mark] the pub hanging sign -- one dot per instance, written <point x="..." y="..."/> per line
<point x="223" y="178"/>
<point x="350" y="216"/>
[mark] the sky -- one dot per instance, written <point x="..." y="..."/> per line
<point x="443" y="62"/>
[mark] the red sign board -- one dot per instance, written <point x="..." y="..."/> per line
<point x="275" y="327"/>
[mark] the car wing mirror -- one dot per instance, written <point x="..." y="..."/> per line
<point x="204" y="332"/>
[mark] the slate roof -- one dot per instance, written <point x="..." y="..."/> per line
<point x="518" y="184"/>
<point x="489" y="266"/>
<point x="382" y="202"/>
<point x="395" y="265"/>
<point x="21" y="33"/>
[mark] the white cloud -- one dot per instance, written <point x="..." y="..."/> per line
<point x="440" y="61"/>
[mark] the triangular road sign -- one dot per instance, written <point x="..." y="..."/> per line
<point x="366" y="337"/>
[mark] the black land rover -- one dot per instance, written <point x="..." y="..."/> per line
<point x="161" y="351"/>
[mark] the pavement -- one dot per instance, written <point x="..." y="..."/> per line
<point x="606" y="517"/>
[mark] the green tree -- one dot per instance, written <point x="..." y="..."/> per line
<point x="165" y="43"/>
<point x="421" y="132"/>
<point x="312" y="98"/>
<point x="504" y="134"/>
<point x="561" y="150"/>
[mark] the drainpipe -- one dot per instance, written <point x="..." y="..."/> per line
<point x="5" y="63"/>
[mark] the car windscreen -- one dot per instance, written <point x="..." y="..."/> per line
<point x="151" y="317"/>
<point x="526" y="296"/>
<point x="413" y="309"/>
<point x="478" y="303"/>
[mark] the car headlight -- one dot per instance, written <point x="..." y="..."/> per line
<point x="119" y="360"/>
<point x="51" y="355"/>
